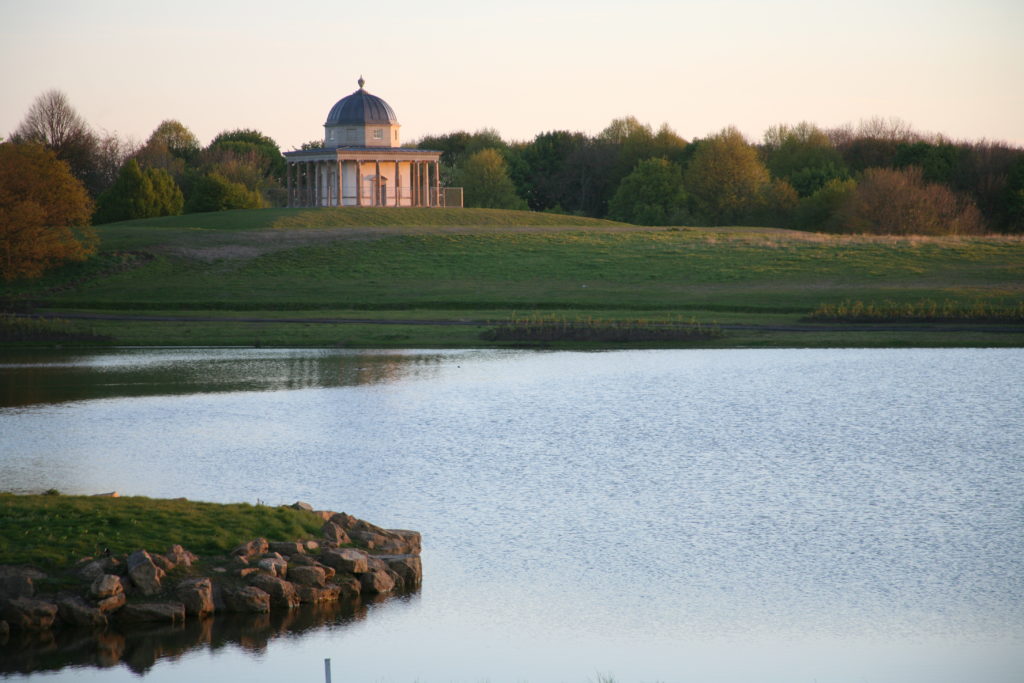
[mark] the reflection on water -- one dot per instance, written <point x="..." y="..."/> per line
<point x="140" y="646"/>
<point x="39" y="377"/>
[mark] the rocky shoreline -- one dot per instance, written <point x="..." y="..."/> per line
<point x="351" y="559"/>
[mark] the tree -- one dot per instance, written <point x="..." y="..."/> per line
<point x="44" y="212"/>
<point x="486" y="183"/>
<point x="803" y="155"/>
<point x="900" y="202"/>
<point x="549" y="184"/>
<point x="51" y="121"/>
<point x="725" y="178"/>
<point x="818" y="211"/>
<point x="139" y="193"/>
<point x="177" y="138"/>
<point x="651" y="195"/>
<point x="214" y="192"/>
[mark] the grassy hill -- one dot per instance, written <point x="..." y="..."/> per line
<point x="415" y="264"/>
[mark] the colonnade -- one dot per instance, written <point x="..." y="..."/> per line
<point x="322" y="183"/>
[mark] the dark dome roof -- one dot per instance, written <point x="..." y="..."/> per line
<point x="361" y="108"/>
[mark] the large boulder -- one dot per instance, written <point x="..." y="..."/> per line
<point x="162" y="561"/>
<point x="308" y="575"/>
<point x="145" y="575"/>
<point x="181" y="557"/>
<point x="112" y="604"/>
<point x="377" y="581"/>
<point x="248" y="599"/>
<point x="282" y="593"/>
<point x="165" y="612"/>
<point x="409" y="567"/>
<point x="91" y="568"/>
<point x="347" y="560"/>
<point x="254" y="548"/>
<point x="76" y="611"/>
<point x="302" y="505"/>
<point x="197" y="596"/>
<point x="287" y="548"/>
<point x="274" y="566"/>
<point x="318" y="594"/>
<point x="28" y="614"/>
<point x="17" y="582"/>
<point x="105" y="586"/>
<point x="405" y="541"/>
<point x="334" y="535"/>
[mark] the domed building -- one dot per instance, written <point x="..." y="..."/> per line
<point x="362" y="162"/>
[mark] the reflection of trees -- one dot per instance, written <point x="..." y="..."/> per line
<point x="50" y="380"/>
<point x="140" y="647"/>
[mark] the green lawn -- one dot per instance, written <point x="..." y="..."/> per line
<point x="488" y="264"/>
<point x="53" y="531"/>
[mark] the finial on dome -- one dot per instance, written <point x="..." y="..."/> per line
<point x="361" y="82"/>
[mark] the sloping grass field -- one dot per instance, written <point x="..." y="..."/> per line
<point x="405" y="265"/>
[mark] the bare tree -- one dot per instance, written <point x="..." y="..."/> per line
<point x="51" y="121"/>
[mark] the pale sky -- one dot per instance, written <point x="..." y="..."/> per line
<point x="523" y="67"/>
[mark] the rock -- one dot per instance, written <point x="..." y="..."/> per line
<point x="105" y="586"/>
<point x="300" y="505"/>
<point x="74" y="610"/>
<point x="350" y="586"/>
<point x="17" y="582"/>
<point x="288" y="548"/>
<point x="325" y="515"/>
<point x="5" y="632"/>
<point x="248" y="599"/>
<point x="377" y="581"/>
<point x="90" y="569"/>
<point x="368" y="539"/>
<point x="334" y="535"/>
<point x="345" y="521"/>
<point x="163" y="562"/>
<point x="144" y="573"/>
<point x="109" y="494"/>
<point x="180" y="556"/>
<point x="315" y="594"/>
<point x="307" y="576"/>
<point x="28" y="614"/>
<point x="166" y="612"/>
<point x="374" y="562"/>
<point x="408" y="542"/>
<point x="253" y="548"/>
<point x="282" y="593"/>
<point x="346" y="560"/>
<point x="197" y="596"/>
<point x="301" y="560"/>
<point x="246" y="572"/>
<point x="329" y="572"/>
<point x="275" y="566"/>
<point x="112" y="604"/>
<point x="312" y="546"/>
<point x="409" y="567"/>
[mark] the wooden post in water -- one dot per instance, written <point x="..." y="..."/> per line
<point x="327" y="670"/>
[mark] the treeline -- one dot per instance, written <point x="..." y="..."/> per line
<point x="880" y="177"/>
<point x="168" y="174"/>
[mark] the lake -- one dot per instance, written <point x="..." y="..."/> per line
<point x="729" y="516"/>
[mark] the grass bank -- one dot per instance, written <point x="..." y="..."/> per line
<point x="392" y="266"/>
<point x="54" y="531"/>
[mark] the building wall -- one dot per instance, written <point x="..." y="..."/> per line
<point x="362" y="136"/>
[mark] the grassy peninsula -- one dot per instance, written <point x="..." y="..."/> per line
<point x="369" y="277"/>
<point x="54" y="531"/>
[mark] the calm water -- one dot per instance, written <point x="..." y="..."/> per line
<point x="722" y="516"/>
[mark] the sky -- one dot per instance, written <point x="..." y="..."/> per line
<point x="523" y="67"/>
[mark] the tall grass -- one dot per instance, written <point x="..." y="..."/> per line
<point x="925" y="310"/>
